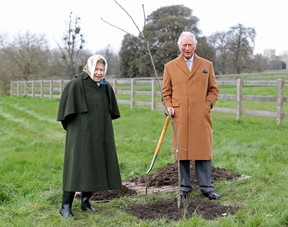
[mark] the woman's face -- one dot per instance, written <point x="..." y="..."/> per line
<point x="99" y="72"/>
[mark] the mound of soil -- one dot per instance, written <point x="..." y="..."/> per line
<point x="169" y="176"/>
<point x="168" y="209"/>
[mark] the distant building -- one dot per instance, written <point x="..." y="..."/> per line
<point x="269" y="53"/>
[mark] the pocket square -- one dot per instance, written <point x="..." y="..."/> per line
<point x="205" y="70"/>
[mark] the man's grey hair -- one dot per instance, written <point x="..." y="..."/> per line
<point x="185" y="34"/>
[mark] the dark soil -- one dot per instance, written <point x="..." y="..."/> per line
<point x="169" y="209"/>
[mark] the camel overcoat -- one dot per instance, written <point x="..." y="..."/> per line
<point x="192" y="95"/>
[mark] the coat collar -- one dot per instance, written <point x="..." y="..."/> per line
<point x="182" y="65"/>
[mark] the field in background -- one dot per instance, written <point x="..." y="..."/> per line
<point x="258" y="94"/>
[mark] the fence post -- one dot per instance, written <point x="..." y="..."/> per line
<point x="41" y="89"/>
<point x="239" y="98"/>
<point x="25" y="87"/>
<point x="114" y="85"/>
<point x="132" y="94"/>
<point x="18" y="88"/>
<point x="61" y="87"/>
<point x="51" y="89"/>
<point x="11" y="88"/>
<point x="33" y="88"/>
<point x="280" y="113"/>
<point x="153" y="94"/>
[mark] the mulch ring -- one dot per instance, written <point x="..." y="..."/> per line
<point x="166" y="180"/>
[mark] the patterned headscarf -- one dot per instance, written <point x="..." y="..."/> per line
<point x="89" y="68"/>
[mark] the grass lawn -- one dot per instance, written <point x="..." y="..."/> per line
<point x="31" y="161"/>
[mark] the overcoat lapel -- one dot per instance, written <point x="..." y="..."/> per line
<point x="195" y="66"/>
<point x="183" y="66"/>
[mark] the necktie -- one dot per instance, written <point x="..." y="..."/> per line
<point x="189" y="63"/>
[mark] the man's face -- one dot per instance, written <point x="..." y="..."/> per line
<point x="99" y="72"/>
<point x="187" y="47"/>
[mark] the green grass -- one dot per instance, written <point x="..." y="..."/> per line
<point x="266" y="75"/>
<point x="31" y="161"/>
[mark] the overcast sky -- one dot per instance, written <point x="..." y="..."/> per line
<point x="268" y="18"/>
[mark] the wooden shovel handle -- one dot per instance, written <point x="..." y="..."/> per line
<point x="162" y="135"/>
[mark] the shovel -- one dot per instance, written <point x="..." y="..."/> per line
<point x="159" y="143"/>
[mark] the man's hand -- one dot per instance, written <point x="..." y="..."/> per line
<point x="170" y="111"/>
<point x="210" y="104"/>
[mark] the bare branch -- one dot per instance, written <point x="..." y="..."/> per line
<point x="119" y="28"/>
<point x="130" y="17"/>
<point x="144" y="14"/>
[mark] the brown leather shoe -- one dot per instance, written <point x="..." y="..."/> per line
<point x="212" y="195"/>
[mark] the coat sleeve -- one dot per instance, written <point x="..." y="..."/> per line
<point x="113" y="105"/>
<point x="166" y="88"/>
<point x="72" y="101"/>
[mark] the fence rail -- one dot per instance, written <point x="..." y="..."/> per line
<point x="131" y="92"/>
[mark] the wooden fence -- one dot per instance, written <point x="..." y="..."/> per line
<point x="132" y="91"/>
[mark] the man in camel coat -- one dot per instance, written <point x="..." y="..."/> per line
<point x="189" y="93"/>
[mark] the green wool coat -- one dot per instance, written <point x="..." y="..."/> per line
<point x="86" y="112"/>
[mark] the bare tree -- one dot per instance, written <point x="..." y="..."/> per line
<point x="234" y="49"/>
<point x="241" y="45"/>
<point x="28" y="55"/>
<point x="73" y="43"/>
<point x="219" y="41"/>
<point x="4" y="75"/>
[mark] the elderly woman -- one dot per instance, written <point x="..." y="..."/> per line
<point x="86" y="110"/>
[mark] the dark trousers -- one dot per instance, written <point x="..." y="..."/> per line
<point x="203" y="173"/>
